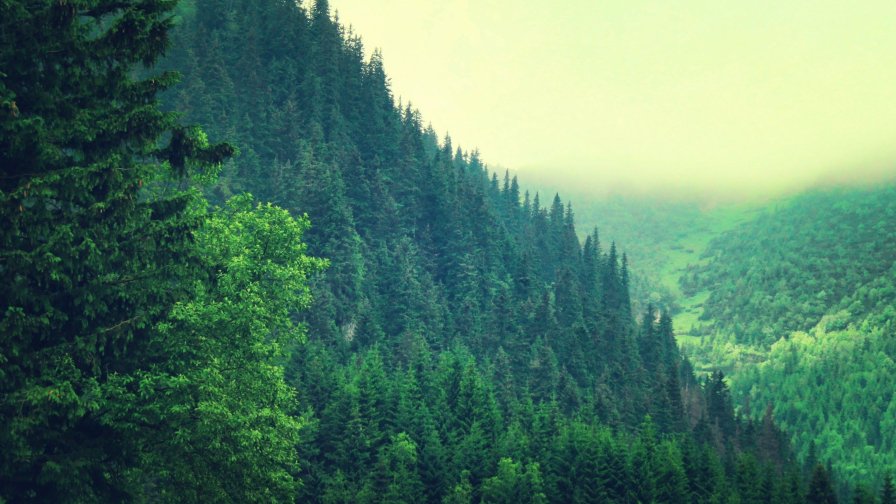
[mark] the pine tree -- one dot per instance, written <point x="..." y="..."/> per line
<point x="462" y="493"/>
<point x="888" y="491"/>
<point x="396" y="479"/>
<point x="671" y="480"/>
<point x="820" y="489"/>
<point x="718" y="404"/>
<point x="619" y="480"/>
<point x="100" y="260"/>
<point x="514" y="484"/>
<point x="863" y="496"/>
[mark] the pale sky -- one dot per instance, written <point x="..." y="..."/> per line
<point x="729" y="96"/>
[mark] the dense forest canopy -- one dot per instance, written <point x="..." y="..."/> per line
<point x="812" y="283"/>
<point x="825" y="260"/>
<point x="141" y="331"/>
<point x="444" y="336"/>
<point x="787" y="268"/>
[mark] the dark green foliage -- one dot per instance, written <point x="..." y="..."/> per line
<point x="140" y="331"/>
<point x="888" y="491"/>
<point x="863" y="496"/>
<point x="820" y="488"/>
<point x="466" y="450"/>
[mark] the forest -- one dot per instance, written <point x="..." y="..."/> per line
<point x="798" y="314"/>
<point x="236" y="269"/>
<point x="797" y="270"/>
<point x="820" y="308"/>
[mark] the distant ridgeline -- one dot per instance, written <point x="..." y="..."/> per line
<point x="814" y="281"/>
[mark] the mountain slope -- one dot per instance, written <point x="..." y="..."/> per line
<point x="784" y="270"/>
<point x="426" y="246"/>
<point x="808" y="287"/>
<point x="832" y="387"/>
<point x="463" y="341"/>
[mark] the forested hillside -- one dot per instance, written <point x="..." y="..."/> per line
<point x="461" y="321"/>
<point x="662" y="237"/>
<point x="428" y="250"/>
<point x="457" y="342"/>
<point x="811" y="283"/>
<point x="787" y="268"/>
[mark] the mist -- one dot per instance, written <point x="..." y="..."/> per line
<point x="737" y="101"/>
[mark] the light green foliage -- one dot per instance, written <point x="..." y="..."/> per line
<point x="260" y="276"/>
<point x="786" y="269"/>
<point x="462" y="493"/>
<point x="398" y="461"/>
<point x="815" y="270"/>
<point x="831" y="383"/>
<point x="219" y="406"/>
<point x="833" y="388"/>
<point x="514" y="484"/>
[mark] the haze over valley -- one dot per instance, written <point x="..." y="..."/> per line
<point x="692" y="98"/>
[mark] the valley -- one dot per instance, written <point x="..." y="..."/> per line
<point x="835" y="349"/>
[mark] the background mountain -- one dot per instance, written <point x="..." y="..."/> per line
<point x="794" y="299"/>
<point x="810" y="284"/>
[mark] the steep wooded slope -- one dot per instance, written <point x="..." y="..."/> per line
<point x="463" y="335"/>
<point x="811" y="285"/>
<point x="784" y="270"/>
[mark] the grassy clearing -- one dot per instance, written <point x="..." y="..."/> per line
<point x="708" y="352"/>
<point x="662" y="240"/>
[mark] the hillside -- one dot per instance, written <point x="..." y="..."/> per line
<point x="665" y="240"/>
<point x="462" y="326"/>
<point x="810" y="284"/>
<point x="795" y="300"/>
<point x="790" y="266"/>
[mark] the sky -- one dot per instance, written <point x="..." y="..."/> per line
<point x="745" y="97"/>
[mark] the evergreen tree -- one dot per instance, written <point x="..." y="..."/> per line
<point x="888" y="491"/>
<point x="395" y="479"/>
<point x="114" y="278"/>
<point x="718" y="402"/>
<point x="863" y="496"/>
<point x="462" y="493"/>
<point x="513" y="484"/>
<point x="820" y="487"/>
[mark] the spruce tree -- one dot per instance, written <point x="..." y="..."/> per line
<point x="821" y="490"/>
<point x="888" y="491"/>
<point x="96" y="238"/>
<point x="862" y="495"/>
